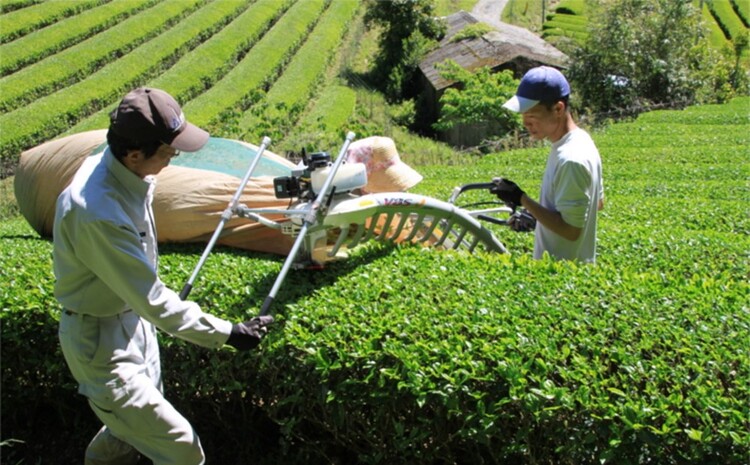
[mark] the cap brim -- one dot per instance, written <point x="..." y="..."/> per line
<point x="520" y="104"/>
<point x="190" y="139"/>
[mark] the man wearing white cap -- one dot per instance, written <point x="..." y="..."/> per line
<point x="105" y="264"/>
<point x="572" y="189"/>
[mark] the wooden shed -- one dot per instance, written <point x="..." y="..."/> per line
<point x="506" y="47"/>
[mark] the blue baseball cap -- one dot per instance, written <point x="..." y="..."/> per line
<point x="542" y="83"/>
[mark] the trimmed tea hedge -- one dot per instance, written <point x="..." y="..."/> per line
<point x="62" y="34"/>
<point x="572" y="7"/>
<point x="743" y="11"/>
<point x="51" y="115"/>
<point x="569" y="21"/>
<point x="716" y="35"/>
<point x="727" y="18"/>
<point x="19" y="21"/>
<point x="409" y="355"/>
<point x="261" y="65"/>
<point x="74" y="64"/>
<point x="333" y="107"/>
<point x="208" y="63"/>
<point x="292" y="91"/>
<point x="12" y="5"/>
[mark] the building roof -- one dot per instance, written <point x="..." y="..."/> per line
<point x="505" y="44"/>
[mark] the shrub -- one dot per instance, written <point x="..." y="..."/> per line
<point x="291" y="92"/>
<point x="638" y="55"/>
<point x="409" y="30"/>
<point x="52" y="114"/>
<point x="477" y="98"/>
<point x="258" y="68"/>
<point x="74" y="64"/>
<point x="208" y="62"/>
<point x="727" y="19"/>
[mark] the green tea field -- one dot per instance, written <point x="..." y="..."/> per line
<point x="399" y="354"/>
<point x="410" y="355"/>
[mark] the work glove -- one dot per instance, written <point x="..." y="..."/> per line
<point x="247" y="335"/>
<point x="522" y="221"/>
<point x="507" y="191"/>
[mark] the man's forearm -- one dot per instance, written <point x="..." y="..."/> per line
<point x="551" y="219"/>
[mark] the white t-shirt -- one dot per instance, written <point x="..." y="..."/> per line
<point x="572" y="185"/>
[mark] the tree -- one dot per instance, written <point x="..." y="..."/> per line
<point x="409" y="30"/>
<point x="478" y="98"/>
<point x="638" y="52"/>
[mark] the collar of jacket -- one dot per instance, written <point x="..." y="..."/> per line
<point x="141" y="187"/>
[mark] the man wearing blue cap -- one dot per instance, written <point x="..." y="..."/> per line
<point x="572" y="190"/>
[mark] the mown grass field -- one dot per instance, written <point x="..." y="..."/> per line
<point x="409" y="355"/>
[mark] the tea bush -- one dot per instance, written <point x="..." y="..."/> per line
<point x="728" y="19"/>
<point x="75" y="63"/>
<point x="62" y="34"/>
<point x="16" y="23"/>
<point x="207" y="63"/>
<point x="292" y="91"/>
<point x="260" y="66"/>
<point x="53" y="114"/>
<point x="743" y="11"/>
<point x="410" y="355"/>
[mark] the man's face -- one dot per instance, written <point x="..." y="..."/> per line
<point x="542" y="122"/>
<point x="143" y="166"/>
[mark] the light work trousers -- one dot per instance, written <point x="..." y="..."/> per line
<point x="115" y="361"/>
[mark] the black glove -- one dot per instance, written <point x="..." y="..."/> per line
<point x="522" y="221"/>
<point x="507" y="191"/>
<point x="247" y="335"/>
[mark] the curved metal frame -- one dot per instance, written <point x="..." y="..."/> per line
<point x="391" y="216"/>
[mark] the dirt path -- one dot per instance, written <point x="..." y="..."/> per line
<point x="489" y="11"/>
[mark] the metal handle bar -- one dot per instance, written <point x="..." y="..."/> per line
<point x="225" y="216"/>
<point x="467" y="187"/>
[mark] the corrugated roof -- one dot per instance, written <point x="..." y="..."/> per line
<point x="505" y="44"/>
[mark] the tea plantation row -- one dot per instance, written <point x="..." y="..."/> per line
<point x="65" y="68"/>
<point x="415" y="356"/>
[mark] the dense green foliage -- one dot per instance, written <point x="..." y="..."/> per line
<point x="278" y="110"/>
<point x="480" y="98"/>
<point x="62" y="34"/>
<point x="640" y="53"/>
<point x="729" y="18"/>
<point x="64" y="72"/>
<point x="20" y="20"/>
<point x="565" y="29"/>
<point x="410" y="355"/>
<point x="743" y="11"/>
<point x="409" y="30"/>
<point x="398" y="355"/>
<point x="78" y="61"/>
